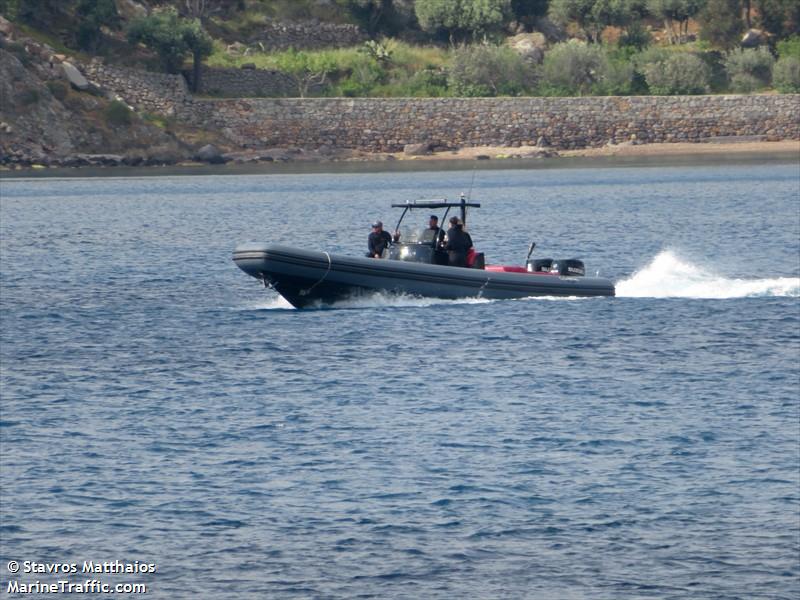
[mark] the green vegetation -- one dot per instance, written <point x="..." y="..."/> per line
<point x="749" y="70"/>
<point x="173" y="37"/>
<point x="786" y="75"/>
<point x="462" y="19"/>
<point x="485" y="70"/>
<point x="448" y="47"/>
<point x="94" y="14"/>
<point x="677" y="73"/>
<point x="59" y="89"/>
<point x="117" y="114"/>
<point x="27" y="97"/>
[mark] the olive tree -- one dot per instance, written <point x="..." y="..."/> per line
<point x="675" y="13"/>
<point x="575" y="68"/>
<point x="749" y="69"/>
<point x="721" y="23"/>
<point x="93" y="15"/>
<point x="307" y="70"/>
<point x="593" y="16"/>
<point x="462" y="18"/>
<point x="173" y="38"/>
<point x="388" y="16"/>
<point x="485" y="70"/>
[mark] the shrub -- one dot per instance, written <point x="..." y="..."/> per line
<point x="749" y="69"/>
<point x="677" y="73"/>
<point x="58" y="88"/>
<point x="28" y="96"/>
<point x="789" y="47"/>
<point x="364" y="75"/>
<point x="575" y="68"/>
<point x="484" y="70"/>
<point x="636" y="36"/>
<point x="616" y="80"/>
<point x="428" y="83"/>
<point x="20" y="52"/>
<point x="786" y="75"/>
<point x="118" y="114"/>
<point x="571" y="68"/>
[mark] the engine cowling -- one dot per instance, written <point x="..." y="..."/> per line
<point x="539" y="265"/>
<point x="568" y="267"/>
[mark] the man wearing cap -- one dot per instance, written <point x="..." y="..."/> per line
<point x="378" y="240"/>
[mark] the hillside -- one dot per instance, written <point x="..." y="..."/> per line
<point x="355" y="48"/>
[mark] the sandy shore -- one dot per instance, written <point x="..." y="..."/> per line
<point x="487" y="156"/>
<point x="784" y="148"/>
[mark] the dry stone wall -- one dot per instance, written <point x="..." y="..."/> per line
<point x="310" y="35"/>
<point x="244" y="83"/>
<point x="387" y="125"/>
<point x="157" y="93"/>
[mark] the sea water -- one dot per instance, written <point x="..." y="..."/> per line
<point x="160" y="406"/>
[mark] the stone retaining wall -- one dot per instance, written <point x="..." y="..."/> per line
<point x="386" y="125"/>
<point x="311" y="35"/>
<point x="158" y="93"/>
<point x="244" y="83"/>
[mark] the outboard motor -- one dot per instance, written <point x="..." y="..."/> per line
<point x="569" y="267"/>
<point x="539" y="265"/>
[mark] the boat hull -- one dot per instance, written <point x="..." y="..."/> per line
<point x="308" y="278"/>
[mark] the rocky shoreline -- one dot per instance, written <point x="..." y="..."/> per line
<point x="209" y="155"/>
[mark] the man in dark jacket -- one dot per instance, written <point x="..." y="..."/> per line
<point x="378" y="240"/>
<point x="458" y="243"/>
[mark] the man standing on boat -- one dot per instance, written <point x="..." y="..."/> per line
<point x="458" y="243"/>
<point x="433" y="226"/>
<point x="378" y="240"/>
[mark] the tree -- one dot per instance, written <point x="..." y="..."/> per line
<point x="578" y="11"/>
<point x="721" y="23"/>
<point x="307" y="70"/>
<point x="387" y="16"/>
<point x="43" y="13"/>
<point x="528" y="10"/>
<point x="94" y="14"/>
<point x="780" y="17"/>
<point x="461" y="18"/>
<point x="172" y="38"/>
<point x="675" y="12"/>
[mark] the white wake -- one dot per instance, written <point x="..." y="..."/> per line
<point x="372" y="300"/>
<point x="667" y="276"/>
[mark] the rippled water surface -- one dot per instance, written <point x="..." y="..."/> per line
<point x="158" y="405"/>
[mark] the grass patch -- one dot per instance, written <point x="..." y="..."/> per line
<point x="157" y="120"/>
<point x="54" y="42"/>
<point x="406" y="70"/>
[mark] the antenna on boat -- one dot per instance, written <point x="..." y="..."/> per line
<point x="530" y="251"/>
<point x="471" y="183"/>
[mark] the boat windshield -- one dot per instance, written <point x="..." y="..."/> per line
<point x="416" y="235"/>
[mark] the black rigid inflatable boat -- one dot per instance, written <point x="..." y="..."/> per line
<point x="413" y="266"/>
